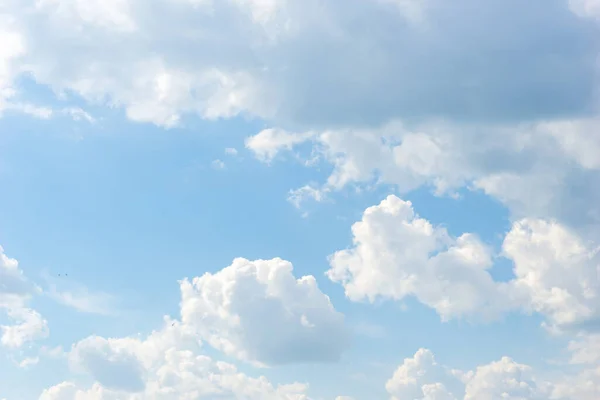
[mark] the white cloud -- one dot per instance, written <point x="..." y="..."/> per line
<point x="217" y="164"/>
<point x="15" y="292"/>
<point x="398" y="254"/>
<point x="112" y="362"/>
<point x="78" y="114"/>
<point x="230" y="151"/>
<point x="422" y="378"/>
<point x="29" y="361"/>
<point x="30" y="109"/>
<point x="505" y="379"/>
<point x="556" y="271"/>
<point x="306" y="61"/>
<point x="167" y="364"/>
<point x="258" y="311"/>
<point x="534" y="169"/>
<point x="111" y="14"/>
<point x="29" y="326"/>
<point x="267" y="143"/>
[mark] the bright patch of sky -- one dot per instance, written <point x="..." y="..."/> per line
<point x="307" y="200"/>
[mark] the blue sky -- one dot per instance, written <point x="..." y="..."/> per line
<point x="269" y="199"/>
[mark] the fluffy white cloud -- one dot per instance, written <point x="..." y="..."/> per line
<point x="113" y="363"/>
<point x="168" y="364"/>
<point x="259" y="312"/>
<point x="556" y="272"/>
<point x="15" y="292"/>
<point x="253" y="310"/>
<point x="308" y="61"/>
<point x="505" y="379"/>
<point x="29" y="326"/>
<point x="267" y="143"/>
<point x="422" y="378"/>
<point x="397" y="254"/>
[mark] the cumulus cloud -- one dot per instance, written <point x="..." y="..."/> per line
<point x="421" y="378"/>
<point x="29" y="326"/>
<point x="259" y="312"/>
<point x="113" y="363"/>
<point x="12" y="48"/>
<point x="167" y="364"/>
<point x="397" y="254"/>
<point x="15" y="292"/>
<point x="253" y="310"/>
<point x="556" y="272"/>
<point x="505" y="379"/>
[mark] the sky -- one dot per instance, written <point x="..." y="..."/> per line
<point x="299" y="199"/>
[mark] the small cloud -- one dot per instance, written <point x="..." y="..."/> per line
<point x="299" y="196"/>
<point x="78" y="114"/>
<point x="31" y="109"/>
<point x="230" y="151"/>
<point x="29" y="361"/>
<point x="217" y="164"/>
